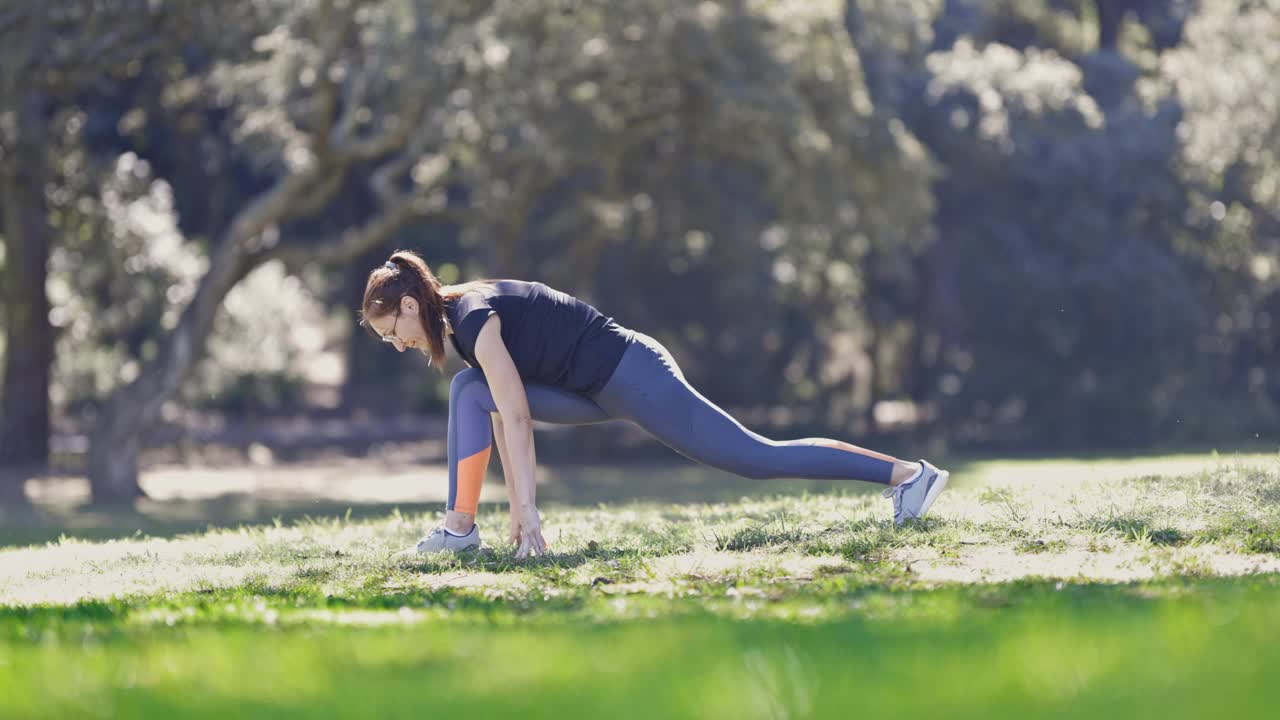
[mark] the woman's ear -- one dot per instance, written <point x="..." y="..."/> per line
<point x="408" y="304"/>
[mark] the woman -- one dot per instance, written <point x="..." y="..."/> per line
<point x="535" y="353"/>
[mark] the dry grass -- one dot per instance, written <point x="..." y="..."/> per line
<point x="1022" y="521"/>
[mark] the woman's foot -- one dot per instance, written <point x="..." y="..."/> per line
<point x="441" y="539"/>
<point x="912" y="497"/>
<point x="904" y="470"/>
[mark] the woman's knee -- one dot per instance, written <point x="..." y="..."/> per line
<point x="464" y="378"/>
<point x="466" y="375"/>
<point x="469" y="387"/>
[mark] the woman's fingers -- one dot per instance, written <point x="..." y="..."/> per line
<point x="531" y="542"/>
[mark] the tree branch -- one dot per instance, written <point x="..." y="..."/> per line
<point x="268" y="208"/>
<point x="12" y="17"/>
<point x="333" y="33"/>
<point x="396" y="209"/>
<point x="102" y="42"/>
<point x="329" y="180"/>
<point x="351" y="112"/>
<point x="381" y="180"/>
<point x="386" y="141"/>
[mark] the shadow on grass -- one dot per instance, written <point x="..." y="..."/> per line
<point x="41" y="525"/>
<point x="487" y="559"/>
<point x="679" y="482"/>
<point x="250" y="605"/>
<point x="568" y="485"/>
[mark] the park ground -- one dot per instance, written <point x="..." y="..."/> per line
<point x="1103" y="587"/>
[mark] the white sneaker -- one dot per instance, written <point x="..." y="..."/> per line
<point x="913" y="497"/>
<point x="440" y="539"/>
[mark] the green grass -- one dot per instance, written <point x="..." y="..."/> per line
<point x="1027" y="649"/>
<point x="1085" y="596"/>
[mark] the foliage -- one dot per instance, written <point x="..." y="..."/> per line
<point x="1040" y="224"/>
<point x="124" y="273"/>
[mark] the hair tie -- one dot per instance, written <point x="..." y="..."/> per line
<point x="391" y="266"/>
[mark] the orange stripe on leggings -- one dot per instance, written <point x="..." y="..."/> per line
<point x="471" y="471"/>
<point x="853" y="449"/>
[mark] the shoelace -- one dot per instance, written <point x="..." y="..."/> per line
<point x="435" y="532"/>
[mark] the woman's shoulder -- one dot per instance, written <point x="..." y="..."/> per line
<point x="491" y="288"/>
<point x="462" y="288"/>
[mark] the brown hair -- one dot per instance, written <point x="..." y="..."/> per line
<point x="412" y="277"/>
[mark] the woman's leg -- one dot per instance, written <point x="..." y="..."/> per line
<point x="649" y="390"/>
<point x="471" y="431"/>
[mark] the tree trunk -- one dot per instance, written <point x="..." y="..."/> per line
<point x="1110" y="17"/>
<point x="132" y="410"/>
<point x="855" y="27"/>
<point x="937" y="328"/>
<point x="874" y="339"/>
<point x="116" y="441"/>
<point x="24" y="418"/>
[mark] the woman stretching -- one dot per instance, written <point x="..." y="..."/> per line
<point x="535" y="353"/>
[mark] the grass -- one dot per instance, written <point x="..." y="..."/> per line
<point x="1086" y="596"/>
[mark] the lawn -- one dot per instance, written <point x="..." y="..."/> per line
<point x="1103" y="588"/>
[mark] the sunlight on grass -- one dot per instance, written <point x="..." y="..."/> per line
<point x="1062" y="473"/>
<point x="1088" y="595"/>
<point x="1213" y="522"/>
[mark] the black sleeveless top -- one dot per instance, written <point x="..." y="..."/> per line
<point x="553" y="337"/>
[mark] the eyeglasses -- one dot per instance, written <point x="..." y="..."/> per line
<point x="390" y="337"/>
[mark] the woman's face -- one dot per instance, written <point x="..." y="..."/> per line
<point x="403" y="329"/>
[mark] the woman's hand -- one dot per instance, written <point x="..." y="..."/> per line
<point x="526" y="530"/>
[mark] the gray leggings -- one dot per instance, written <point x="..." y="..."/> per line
<point x="649" y="390"/>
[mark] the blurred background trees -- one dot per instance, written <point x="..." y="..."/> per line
<point x="1046" y="225"/>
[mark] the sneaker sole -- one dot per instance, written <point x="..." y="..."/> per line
<point x="468" y="548"/>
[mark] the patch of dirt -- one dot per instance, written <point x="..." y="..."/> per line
<point x="667" y="571"/>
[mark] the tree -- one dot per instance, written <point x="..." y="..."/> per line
<point x="51" y="51"/>
<point x="24" y="419"/>
<point x="339" y="86"/>
<point x="1230" y="162"/>
<point x="1057" y="215"/>
<point x="711" y="173"/>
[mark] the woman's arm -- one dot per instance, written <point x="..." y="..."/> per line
<point x="518" y="457"/>
<point x="499" y="439"/>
